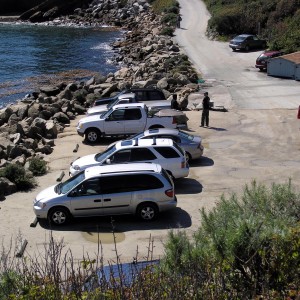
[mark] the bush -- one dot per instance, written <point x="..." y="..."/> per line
<point x="167" y="31"/>
<point x="246" y="247"/>
<point x="17" y="174"/>
<point x="37" y="166"/>
<point x="169" y="19"/>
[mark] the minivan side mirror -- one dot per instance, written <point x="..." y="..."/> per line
<point x="108" y="161"/>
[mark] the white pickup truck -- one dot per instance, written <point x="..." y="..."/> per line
<point x="120" y="120"/>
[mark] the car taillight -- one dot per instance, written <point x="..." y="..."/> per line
<point x="183" y="164"/>
<point x="170" y="193"/>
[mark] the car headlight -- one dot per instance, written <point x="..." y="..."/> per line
<point x="40" y="204"/>
<point x="79" y="125"/>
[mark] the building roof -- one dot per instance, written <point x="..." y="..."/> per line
<point x="293" y="57"/>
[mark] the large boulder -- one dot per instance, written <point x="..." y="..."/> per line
<point x="61" y="117"/>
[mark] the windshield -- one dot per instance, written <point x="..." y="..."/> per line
<point x="112" y="103"/>
<point x="240" y="38"/>
<point x="185" y="135"/>
<point x="106" y="113"/>
<point x="100" y="157"/>
<point x="65" y="187"/>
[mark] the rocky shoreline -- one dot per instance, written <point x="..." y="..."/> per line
<point x="146" y="58"/>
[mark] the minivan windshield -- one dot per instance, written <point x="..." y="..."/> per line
<point x="103" y="155"/>
<point x="65" y="187"/>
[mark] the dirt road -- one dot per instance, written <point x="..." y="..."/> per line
<point x="234" y="71"/>
<point x="248" y="142"/>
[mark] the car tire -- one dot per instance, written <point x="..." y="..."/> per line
<point x="59" y="216"/>
<point x="233" y="49"/>
<point x="189" y="156"/>
<point x="92" y="135"/>
<point x="247" y="48"/>
<point x="147" y="212"/>
<point x="261" y="69"/>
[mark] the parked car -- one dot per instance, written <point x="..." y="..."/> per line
<point x="122" y="119"/>
<point x="128" y="98"/>
<point x="141" y="95"/>
<point x="247" y="42"/>
<point x="142" y="189"/>
<point x="262" y="60"/>
<point x="191" y="144"/>
<point x="161" y="151"/>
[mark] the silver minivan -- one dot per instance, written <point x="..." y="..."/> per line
<point x="143" y="189"/>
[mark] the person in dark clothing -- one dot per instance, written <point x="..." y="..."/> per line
<point x="205" y="110"/>
<point x="178" y="21"/>
<point x="174" y="103"/>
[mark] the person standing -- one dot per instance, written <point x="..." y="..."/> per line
<point x="178" y="21"/>
<point x="205" y="110"/>
<point x="174" y="103"/>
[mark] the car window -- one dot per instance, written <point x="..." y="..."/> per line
<point x="140" y="154"/>
<point x="133" y="114"/>
<point x="65" y="187"/>
<point x="129" y="183"/>
<point x="154" y="95"/>
<point x="139" y="95"/>
<point x="121" y="156"/>
<point x="185" y="135"/>
<point x="117" y="115"/>
<point x="165" y="136"/>
<point x="89" y="187"/>
<point x="103" y="155"/>
<point x="255" y="38"/>
<point x="249" y="38"/>
<point x="167" y="152"/>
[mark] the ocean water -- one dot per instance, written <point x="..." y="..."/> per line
<point x="36" y="55"/>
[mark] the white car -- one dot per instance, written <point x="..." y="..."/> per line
<point x="165" y="152"/>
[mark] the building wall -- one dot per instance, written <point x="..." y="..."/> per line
<point x="281" y="67"/>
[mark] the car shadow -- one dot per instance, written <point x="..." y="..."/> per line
<point x="175" y="218"/>
<point x="201" y="162"/>
<point x="187" y="186"/>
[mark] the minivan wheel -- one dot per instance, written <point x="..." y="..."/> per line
<point x="92" y="135"/>
<point x="247" y="48"/>
<point x="59" y="216"/>
<point x="147" y="212"/>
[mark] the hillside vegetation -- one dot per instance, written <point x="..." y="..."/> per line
<point x="276" y="20"/>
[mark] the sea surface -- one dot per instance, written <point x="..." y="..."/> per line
<point x="36" y="55"/>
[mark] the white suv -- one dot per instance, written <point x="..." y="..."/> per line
<point x="161" y="151"/>
<point x="141" y="189"/>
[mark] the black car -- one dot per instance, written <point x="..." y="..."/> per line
<point x="247" y="42"/>
<point x="141" y="95"/>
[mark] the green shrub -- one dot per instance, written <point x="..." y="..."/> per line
<point x="160" y="6"/>
<point x="167" y="31"/>
<point x="246" y="246"/>
<point x="37" y="166"/>
<point x="169" y="19"/>
<point x="17" y="174"/>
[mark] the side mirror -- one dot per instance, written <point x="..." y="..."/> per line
<point x="108" y="161"/>
<point x="73" y="193"/>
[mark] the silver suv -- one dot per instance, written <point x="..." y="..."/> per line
<point x="142" y="189"/>
<point x="160" y="151"/>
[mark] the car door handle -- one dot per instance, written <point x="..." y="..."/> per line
<point x="97" y="200"/>
<point x="107" y="200"/>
